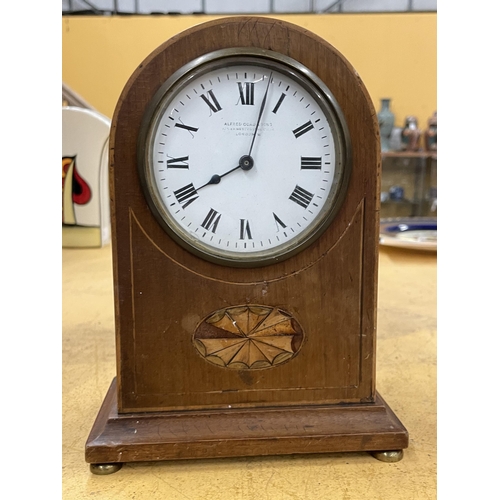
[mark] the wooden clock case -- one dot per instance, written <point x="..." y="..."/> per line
<point x="167" y="401"/>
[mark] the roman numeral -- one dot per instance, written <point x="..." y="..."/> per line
<point x="245" y="230"/>
<point x="301" y="196"/>
<point x="186" y="127"/>
<point x="310" y="162"/>
<point x="211" y="220"/>
<point x="278" y="104"/>
<point x="303" y="129"/>
<point x="246" y="93"/>
<point x="180" y="162"/>
<point x="211" y="100"/>
<point x="186" y="195"/>
<point x="277" y="220"/>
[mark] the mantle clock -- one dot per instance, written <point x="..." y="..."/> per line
<point x="244" y="181"/>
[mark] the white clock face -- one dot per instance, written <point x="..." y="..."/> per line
<point x="245" y="160"/>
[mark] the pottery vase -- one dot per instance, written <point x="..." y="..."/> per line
<point x="431" y="134"/>
<point x="410" y="135"/>
<point x="386" y="124"/>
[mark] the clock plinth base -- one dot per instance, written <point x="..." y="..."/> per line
<point x="134" y="437"/>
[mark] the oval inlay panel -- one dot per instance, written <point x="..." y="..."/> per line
<point x="248" y="337"/>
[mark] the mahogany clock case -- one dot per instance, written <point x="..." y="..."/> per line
<point x="167" y="299"/>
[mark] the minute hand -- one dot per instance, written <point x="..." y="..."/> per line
<point x="261" y="111"/>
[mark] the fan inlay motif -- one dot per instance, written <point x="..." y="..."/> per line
<point x="248" y="337"/>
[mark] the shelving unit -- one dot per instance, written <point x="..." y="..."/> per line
<point x="409" y="184"/>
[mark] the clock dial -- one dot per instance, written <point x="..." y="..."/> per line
<point x="244" y="158"/>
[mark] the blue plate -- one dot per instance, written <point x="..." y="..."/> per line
<point x="418" y="233"/>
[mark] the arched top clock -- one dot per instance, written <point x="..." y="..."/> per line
<point x="244" y="171"/>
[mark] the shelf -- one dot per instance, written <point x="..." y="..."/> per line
<point x="409" y="154"/>
<point x="398" y="202"/>
<point x="415" y="173"/>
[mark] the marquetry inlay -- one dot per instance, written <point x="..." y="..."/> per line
<point x="248" y="337"/>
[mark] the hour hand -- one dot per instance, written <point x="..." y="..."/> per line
<point x="215" y="179"/>
<point x="245" y="163"/>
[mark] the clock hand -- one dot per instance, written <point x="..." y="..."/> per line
<point x="260" y="113"/>
<point x="245" y="163"/>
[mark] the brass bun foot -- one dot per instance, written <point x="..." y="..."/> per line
<point x="388" y="456"/>
<point x="105" y="469"/>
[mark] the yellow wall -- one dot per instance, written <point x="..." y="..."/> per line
<point x="394" y="54"/>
